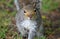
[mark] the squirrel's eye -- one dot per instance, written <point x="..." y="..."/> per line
<point x="24" y="11"/>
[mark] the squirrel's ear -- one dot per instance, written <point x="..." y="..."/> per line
<point x="34" y="4"/>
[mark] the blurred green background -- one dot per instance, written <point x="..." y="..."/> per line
<point x="50" y="15"/>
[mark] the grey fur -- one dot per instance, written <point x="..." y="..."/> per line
<point x="20" y="18"/>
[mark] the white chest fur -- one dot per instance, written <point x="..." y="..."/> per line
<point x="28" y="24"/>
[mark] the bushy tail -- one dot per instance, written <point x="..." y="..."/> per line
<point x="16" y="2"/>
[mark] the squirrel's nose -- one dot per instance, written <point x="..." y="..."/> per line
<point x="30" y="16"/>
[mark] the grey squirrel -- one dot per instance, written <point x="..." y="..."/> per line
<point x="28" y="18"/>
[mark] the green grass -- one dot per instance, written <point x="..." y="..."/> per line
<point x="48" y="5"/>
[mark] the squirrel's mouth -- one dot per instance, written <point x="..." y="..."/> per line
<point x="29" y="14"/>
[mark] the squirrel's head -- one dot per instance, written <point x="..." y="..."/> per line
<point x="29" y="11"/>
